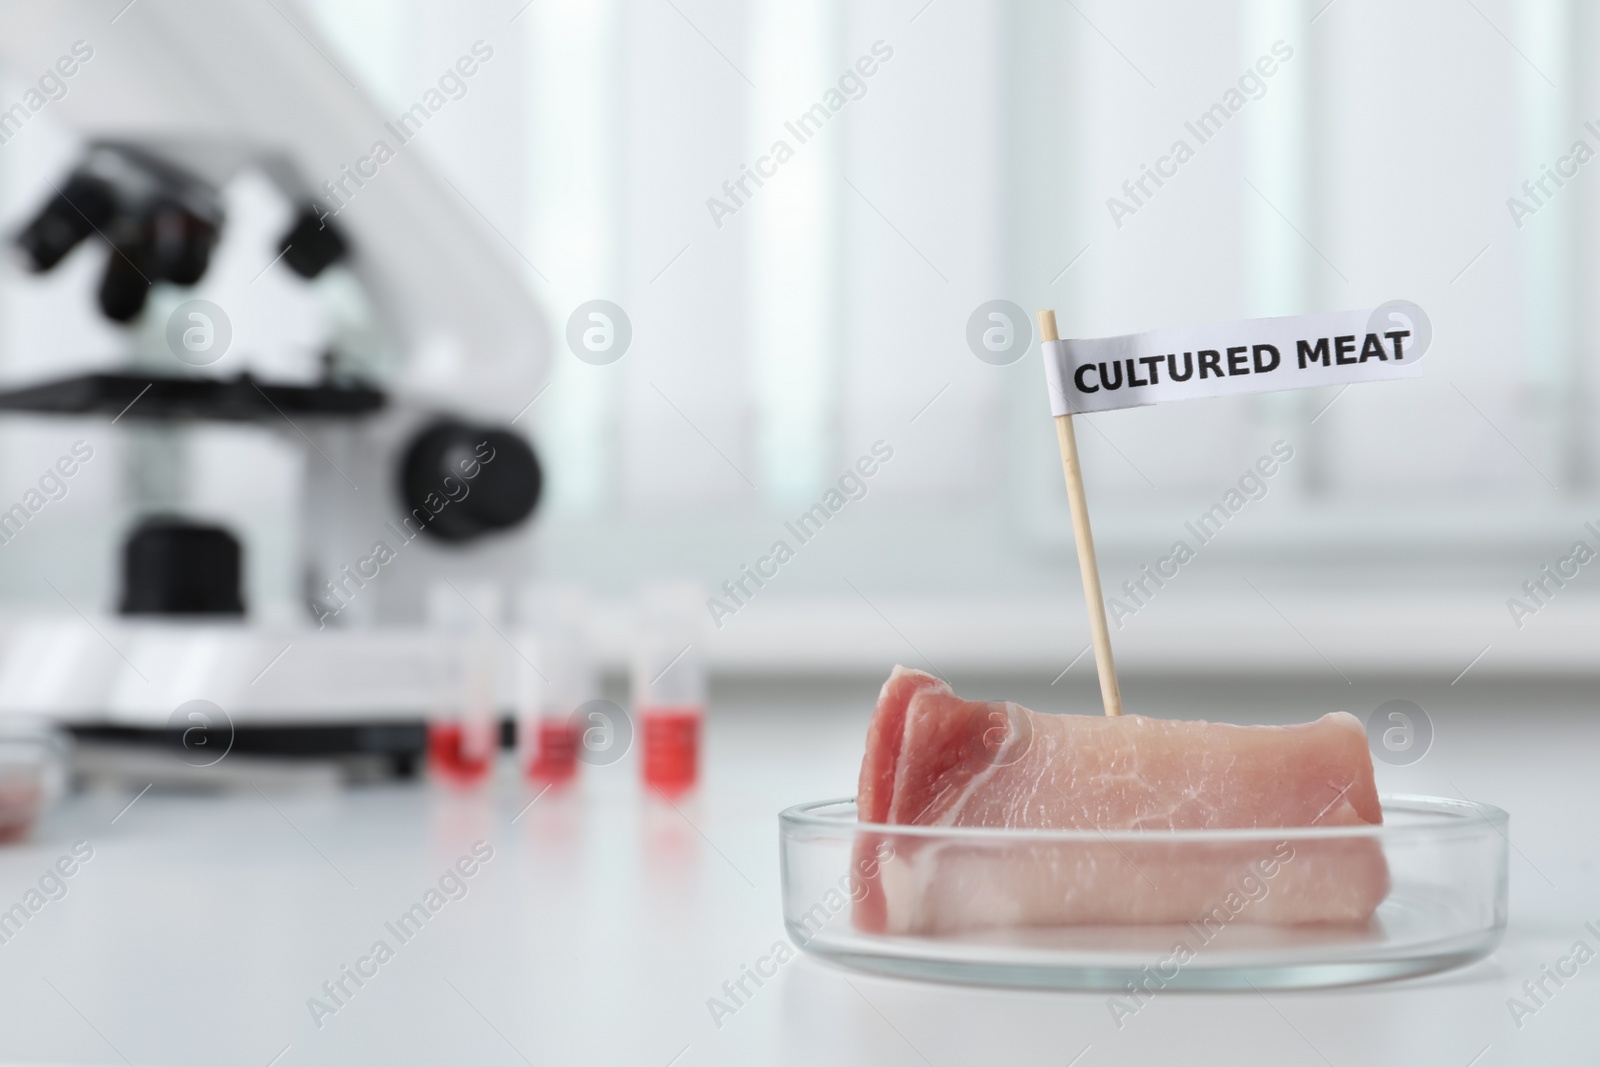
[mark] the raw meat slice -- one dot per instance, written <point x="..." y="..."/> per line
<point x="934" y="759"/>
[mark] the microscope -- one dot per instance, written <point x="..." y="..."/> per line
<point x="418" y="474"/>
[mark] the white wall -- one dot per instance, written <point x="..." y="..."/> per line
<point x="772" y="350"/>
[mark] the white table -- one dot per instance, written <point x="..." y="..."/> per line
<point x="604" y="921"/>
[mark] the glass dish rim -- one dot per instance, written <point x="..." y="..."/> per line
<point x="1459" y="811"/>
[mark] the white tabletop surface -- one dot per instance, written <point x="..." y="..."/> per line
<point x="605" y="920"/>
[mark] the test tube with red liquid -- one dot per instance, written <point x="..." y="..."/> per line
<point x="463" y="733"/>
<point x="669" y="685"/>
<point x="555" y="675"/>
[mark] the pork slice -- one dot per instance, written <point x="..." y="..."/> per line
<point x="875" y="788"/>
<point x="966" y="763"/>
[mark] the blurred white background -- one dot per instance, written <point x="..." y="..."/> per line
<point x="774" y="345"/>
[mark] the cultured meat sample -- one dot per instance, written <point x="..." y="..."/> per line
<point x="933" y="759"/>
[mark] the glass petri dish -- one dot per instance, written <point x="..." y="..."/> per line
<point x="34" y="759"/>
<point x="23" y="791"/>
<point x="1132" y="910"/>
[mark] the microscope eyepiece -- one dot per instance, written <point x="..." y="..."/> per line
<point x="84" y="204"/>
<point x="160" y="221"/>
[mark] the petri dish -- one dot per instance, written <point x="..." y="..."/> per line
<point x="34" y="758"/>
<point x="1166" y="910"/>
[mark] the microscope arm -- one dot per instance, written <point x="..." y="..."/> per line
<point x="221" y="85"/>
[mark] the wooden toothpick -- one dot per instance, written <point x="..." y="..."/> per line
<point x="1101" y="634"/>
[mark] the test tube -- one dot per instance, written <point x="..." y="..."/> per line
<point x="669" y="684"/>
<point x="555" y="676"/>
<point x="464" y="731"/>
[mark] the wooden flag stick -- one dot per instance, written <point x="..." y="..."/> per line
<point x="1104" y="664"/>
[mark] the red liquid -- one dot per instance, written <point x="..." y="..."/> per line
<point x="453" y="758"/>
<point x="556" y="759"/>
<point x="671" y="747"/>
